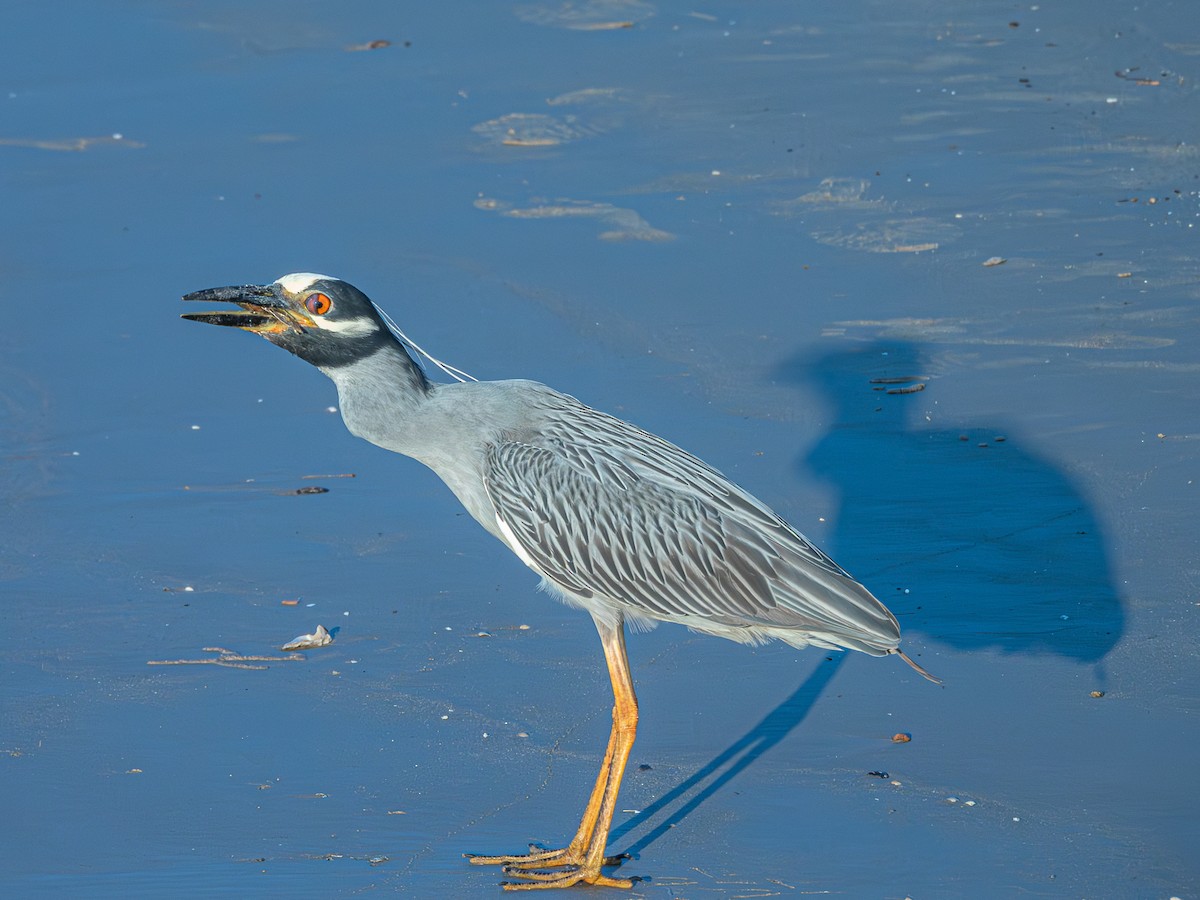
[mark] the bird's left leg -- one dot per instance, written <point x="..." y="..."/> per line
<point x="583" y="858"/>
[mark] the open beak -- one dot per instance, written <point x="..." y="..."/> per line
<point x="264" y="309"/>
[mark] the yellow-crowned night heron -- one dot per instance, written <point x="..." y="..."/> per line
<point x="615" y="520"/>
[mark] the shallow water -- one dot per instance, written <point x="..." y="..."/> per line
<point x="756" y="229"/>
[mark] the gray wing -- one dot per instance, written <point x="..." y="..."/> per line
<point x="606" y="509"/>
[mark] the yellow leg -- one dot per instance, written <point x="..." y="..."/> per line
<point x="582" y="859"/>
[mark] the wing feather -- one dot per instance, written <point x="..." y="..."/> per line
<point x="607" y="510"/>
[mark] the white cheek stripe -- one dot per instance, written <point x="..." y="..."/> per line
<point x="348" y="327"/>
<point x="301" y="281"/>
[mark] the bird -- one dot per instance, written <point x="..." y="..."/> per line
<point x="616" y="521"/>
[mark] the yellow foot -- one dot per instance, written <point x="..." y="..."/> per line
<point x="571" y="869"/>
<point x="541" y="858"/>
<point x="536" y="881"/>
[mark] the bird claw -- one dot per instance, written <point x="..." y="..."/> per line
<point x="535" y="880"/>
<point x="541" y="868"/>
<point x="539" y="857"/>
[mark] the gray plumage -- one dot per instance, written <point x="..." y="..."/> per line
<point x="621" y="522"/>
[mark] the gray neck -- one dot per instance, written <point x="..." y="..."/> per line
<point x="381" y="397"/>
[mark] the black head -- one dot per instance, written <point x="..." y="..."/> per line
<point x="322" y="320"/>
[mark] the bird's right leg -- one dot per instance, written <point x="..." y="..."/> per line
<point x="585" y="851"/>
<point x="542" y="858"/>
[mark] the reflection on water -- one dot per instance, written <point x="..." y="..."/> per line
<point x="968" y="537"/>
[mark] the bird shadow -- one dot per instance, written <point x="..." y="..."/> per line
<point x="729" y="763"/>
<point x="972" y="538"/>
<point x="970" y="535"/>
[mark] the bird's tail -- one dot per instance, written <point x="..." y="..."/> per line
<point x="904" y="656"/>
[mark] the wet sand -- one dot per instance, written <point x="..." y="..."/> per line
<point x="922" y="279"/>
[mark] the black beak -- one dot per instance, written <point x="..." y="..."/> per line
<point x="263" y="308"/>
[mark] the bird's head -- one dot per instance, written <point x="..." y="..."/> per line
<point x="323" y="320"/>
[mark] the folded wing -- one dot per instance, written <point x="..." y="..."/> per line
<point x="604" y="509"/>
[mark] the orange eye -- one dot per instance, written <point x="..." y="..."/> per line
<point x="318" y="304"/>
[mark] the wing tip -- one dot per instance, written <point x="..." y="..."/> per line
<point x="920" y="669"/>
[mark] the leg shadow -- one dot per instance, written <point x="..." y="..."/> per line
<point x="728" y="764"/>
